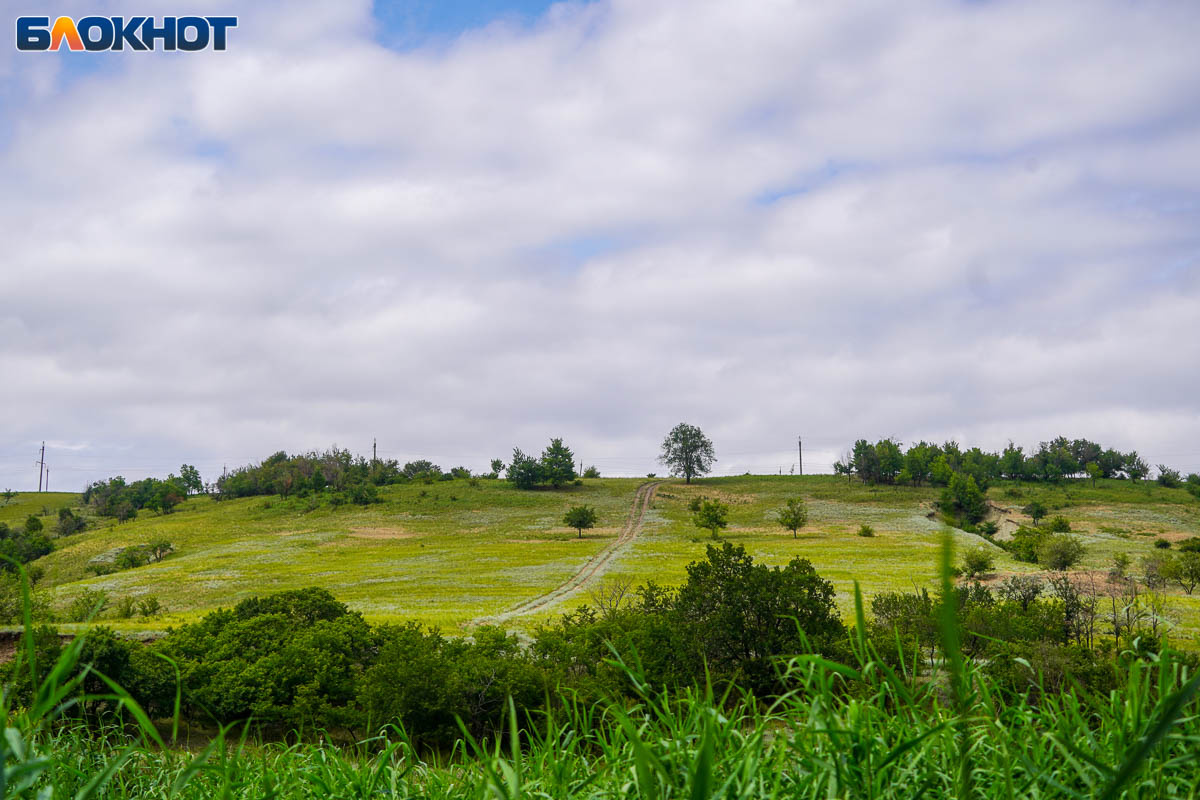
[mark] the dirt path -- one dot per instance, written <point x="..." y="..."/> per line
<point x="595" y="567"/>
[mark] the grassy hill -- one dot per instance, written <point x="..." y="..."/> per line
<point x="451" y="552"/>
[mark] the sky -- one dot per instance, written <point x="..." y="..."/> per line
<point x="456" y="228"/>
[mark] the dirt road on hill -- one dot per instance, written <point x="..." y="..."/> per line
<point x="595" y="567"/>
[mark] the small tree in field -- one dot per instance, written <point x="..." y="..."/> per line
<point x="160" y="548"/>
<point x="687" y="451"/>
<point x="794" y="516"/>
<point x="1035" y="510"/>
<point x="711" y="516"/>
<point x="9" y="494"/>
<point x="978" y="561"/>
<point x="1093" y="471"/>
<point x="580" y="518"/>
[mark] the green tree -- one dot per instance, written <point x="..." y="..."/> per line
<point x="558" y="464"/>
<point x="978" y="561"/>
<point x="524" y="472"/>
<point x="712" y="516"/>
<point x="1093" y="471"/>
<point x="739" y="616"/>
<point x="1168" y="477"/>
<point x="33" y="524"/>
<point x="1184" y="569"/>
<point x="9" y="494"/>
<point x="189" y="477"/>
<point x="687" y="451"/>
<point x="794" y="516"/>
<point x="580" y="518"/>
<point x="159" y="548"/>
<point x="1035" y="510"/>
<point x="964" y="499"/>
<point x="1135" y="467"/>
<point x="1059" y="552"/>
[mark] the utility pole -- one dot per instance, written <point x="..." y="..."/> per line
<point x="41" y="466"/>
<point x="800" y="447"/>
<point x="47" y="479"/>
<point x="374" y="450"/>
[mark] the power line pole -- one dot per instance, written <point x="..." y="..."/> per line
<point x="41" y="466"/>
<point x="47" y="479"/>
<point x="800" y="447"/>
<point x="374" y="450"/>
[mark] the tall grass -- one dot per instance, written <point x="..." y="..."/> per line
<point x="858" y="730"/>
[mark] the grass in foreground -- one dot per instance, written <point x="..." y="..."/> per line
<point x="861" y="730"/>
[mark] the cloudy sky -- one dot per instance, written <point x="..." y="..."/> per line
<point x="460" y="227"/>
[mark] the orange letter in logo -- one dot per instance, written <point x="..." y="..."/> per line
<point x="64" y="28"/>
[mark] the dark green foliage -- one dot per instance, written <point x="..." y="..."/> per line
<point x="1168" y="477"/>
<point x="335" y="470"/>
<point x="866" y="530"/>
<point x="69" y="522"/>
<point x="33" y="525"/>
<point x="1162" y="544"/>
<point x="189" y="476"/>
<point x="1190" y="545"/>
<point x="23" y="545"/>
<point x="591" y="472"/>
<point x="738" y="615"/>
<point x="524" y="472"/>
<point x="1035" y="510"/>
<point x="362" y="493"/>
<point x="1192" y="484"/>
<point x="558" y="464"/>
<point x="426" y="682"/>
<point x="1051" y="462"/>
<point x="687" y="451"/>
<point x="556" y="467"/>
<point x="963" y="499"/>
<point x="115" y="498"/>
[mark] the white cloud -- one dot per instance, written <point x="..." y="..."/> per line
<point x="921" y="220"/>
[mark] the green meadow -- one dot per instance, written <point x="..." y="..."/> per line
<point x="451" y="552"/>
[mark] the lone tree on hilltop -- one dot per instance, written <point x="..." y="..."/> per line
<point x="580" y="518"/>
<point x="687" y="451"/>
<point x="711" y="515"/>
<point x="794" y="516"/>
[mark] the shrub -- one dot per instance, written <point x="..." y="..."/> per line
<point x="712" y="515"/>
<point x="1190" y="545"/>
<point x="1035" y="510"/>
<point x="33" y="524"/>
<point x="866" y="530"/>
<point x="1162" y="544"/>
<point x="1168" y="477"/>
<point x="148" y="606"/>
<point x="125" y="607"/>
<point x="978" y="561"/>
<point x="1058" y="524"/>
<point x="87" y="603"/>
<point x="69" y="522"/>
<point x="1059" y="552"/>
<point x="989" y="528"/>
<point x="591" y="472"/>
<point x="1024" y="543"/>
